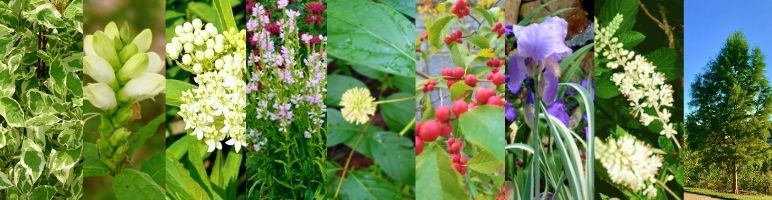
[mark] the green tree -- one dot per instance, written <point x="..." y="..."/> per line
<point x="731" y="106"/>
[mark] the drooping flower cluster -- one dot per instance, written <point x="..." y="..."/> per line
<point x="125" y="71"/>
<point x="630" y="163"/>
<point x="639" y="81"/>
<point x="288" y="71"/>
<point x="214" y="111"/>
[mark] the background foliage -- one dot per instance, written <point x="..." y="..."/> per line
<point x="371" y="45"/>
<point x="40" y="99"/>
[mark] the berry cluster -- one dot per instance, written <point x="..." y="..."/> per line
<point x="454" y="37"/>
<point x="429" y="85"/>
<point x="460" y="9"/>
<point x="452" y="75"/>
<point x="495" y="64"/>
<point x="499" y="29"/>
<point x="459" y="159"/>
<point x="315" y="15"/>
<point x="502" y="195"/>
<point x="487" y="96"/>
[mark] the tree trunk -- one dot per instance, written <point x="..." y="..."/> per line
<point x="736" y="186"/>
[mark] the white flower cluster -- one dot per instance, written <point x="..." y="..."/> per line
<point x="639" y="82"/>
<point x="215" y="110"/>
<point x="199" y="46"/>
<point x="630" y="163"/>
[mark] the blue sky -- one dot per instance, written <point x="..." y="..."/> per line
<point x="707" y="24"/>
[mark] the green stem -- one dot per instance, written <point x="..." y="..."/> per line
<point x="348" y="161"/>
<point x="668" y="190"/>
<point x="394" y="100"/>
<point x="404" y="130"/>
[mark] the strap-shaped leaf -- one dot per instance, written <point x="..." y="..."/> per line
<point x="223" y="8"/>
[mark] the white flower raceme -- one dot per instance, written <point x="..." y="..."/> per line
<point x="100" y="95"/>
<point x="358" y="105"/>
<point x="639" y="82"/>
<point x="630" y="163"/>
<point x="124" y="66"/>
<point x="215" y="110"/>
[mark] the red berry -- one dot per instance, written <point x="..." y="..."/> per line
<point x="472" y="105"/>
<point x="446" y="73"/>
<point x="458" y="72"/>
<point x="451" y="82"/>
<point x="494" y="62"/>
<point x="462" y="160"/>
<point x="471" y="80"/>
<point x="455" y="147"/>
<point x="495" y="100"/>
<point x="483" y="94"/>
<point x="459" y="107"/>
<point x="447" y="129"/>
<point x="418" y="128"/>
<point x="430" y="130"/>
<point x="419" y="145"/>
<point x="455" y="158"/>
<point x="457" y="167"/>
<point x="429" y="85"/>
<point x="498" y="78"/>
<point x="460" y="9"/>
<point x="442" y="113"/>
<point x="451" y="141"/>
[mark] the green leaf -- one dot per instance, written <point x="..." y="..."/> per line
<point x="155" y="168"/>
<point x="627" y="8"/>
<point x="204" y="11"/>
<point x="459" y="90"/>
<point x="490" y="18"/>
<point x="174" y="89"/>
<point x="337" y="85"/>
<point x="225" y="15"/>
<point x="179" y="183"/>
<point x="230" y="174"/>
<point x="480" y="41"/>
<point x="338" y="130"/>
<point x="131" y="184"/>
<point x="32" y="160"/>
<point x="92" y="165"/>
<point x="485" y="163"/>
<point x="435" y="176"/>
<point x="398" y="114"/>
<point x="437" y="30"/>
<point x="605" y="88"/>
<point x="4" y="181"/>
<point x="12" y="112"/>
<point x="630" y="39"/>
<point x="665" y="60"/>
<point x="457" y="55"/>
<point x="359" y="185"/>
<point x="147" y="131"/>
<point x="46" y="119"/>
<point x="371" y="35"/>
<point x="198" y="173"/>
<point x="484" y="127"/>
<point x="395" y="156"/>
<point x="45" y="192"/>
<point x="405" y="7"/>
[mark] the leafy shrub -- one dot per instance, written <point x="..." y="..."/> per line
<point x="40" y="99"/>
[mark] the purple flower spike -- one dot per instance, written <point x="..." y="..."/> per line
<point x="543" y="41"/>
<point x="509" y="112"/>
<point x="558" y="110"/>
<point x="516" y="70"/>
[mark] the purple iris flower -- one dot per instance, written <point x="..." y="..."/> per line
<point x="509" y="112"/>
<point x="516" y="73"/>
<point x="508" y="30"/>
<point x="543" y="41"/>
<point x="558" y="110"/>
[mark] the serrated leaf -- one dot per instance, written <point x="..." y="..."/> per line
<point x="131" y="184"/>
<point x="484" y="127"/>
<point x="605" y="88"/>
<point x="627" y="8"/>
<point x="395" y="156"/>
<point x="664" y="59"/>
<point x="630" y="39"/>
<point x="371" y="35"/>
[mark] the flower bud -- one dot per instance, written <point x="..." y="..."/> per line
<point x="87" y="47"/>
<point x="172" y="51"/>
<point x="134" y="67"/>
<point x="100" y="95"/>
<point x="120" y="152"/>
<point x="127" y="52"/>
<point x="154" y="62"/>
<point x="98" y="69"/>
<point x="126" y="114"/>
<point x="143" y="87"/>
<point x="186" y="59"/>
<point x="111" y="30"/>
<point x="104" y="47"/>
<point x="105" y="126"/>
<point x="197" y="24"/>
<point x="143" y="40"/>
<point x="104" y="148"/>
<point x="119" y="137"/>
<point x="118" y="44"/>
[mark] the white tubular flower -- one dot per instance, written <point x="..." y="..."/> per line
<point x="134" y="67"/>
<point x="143" y="87"/>
<point x="112" y="30"/>
<point x="87" y="45"/>
<point x="154" y="63"/>
<point x="639" y="81"/>
<point x="143" y="40"/>
<point x="99" y="69"/>
<point x="629" y="163"/>
<point x="100" y="95"/>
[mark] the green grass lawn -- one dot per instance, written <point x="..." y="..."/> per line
<point x="726" y="195"/>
